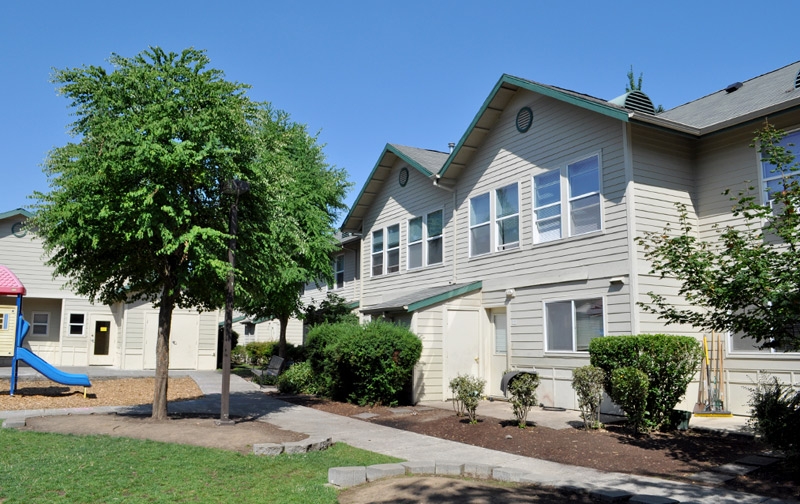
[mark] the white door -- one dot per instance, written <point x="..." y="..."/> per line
<point x="183" y="339"/>
<point x="101" y="340"/>
<point x="498" y="352"/>
<point x="462" y="346"/>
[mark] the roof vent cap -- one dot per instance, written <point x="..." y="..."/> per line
<point x="733" y="87"/>
<point x="635" y="100"/>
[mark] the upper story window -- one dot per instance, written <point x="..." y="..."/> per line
<point x="507" y="217"/>
<point x="571" y="325"/>
<point x="386" y="254"/>
<point x="503" y="212"/>
<point x="338" y="271"/>
<point x="774" y="179"/>
<point x="575" y="202"/>
<point x="425" y="240"/>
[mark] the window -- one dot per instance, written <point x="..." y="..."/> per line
<point x="393" y="248"/>
<point x="76" y="321"/>
<point x="571" y="325"/>
<point x="434" y="223"/>
<point x="387" y="253"/>
<point x="41" y="324"/>
<point x="740" y="343"/>
<point x="377" y="252"/>
<point x="503" y="213"/>
<point x="415" y="243"/>
<point x="479" y="229"/>
<point x="338" y="272"/>
<point x="775" y="180"/>
<point x="500" y="334"/>
<point x="507" y="217"/>
<point x="580" y="208"/>
<point x="547" y="206"/>
<point x="249" y="329"/>
<point x="425" y="240"/>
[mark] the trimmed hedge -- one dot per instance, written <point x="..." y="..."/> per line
<point x="364" y="364"/>
<point x="668" y="361"/>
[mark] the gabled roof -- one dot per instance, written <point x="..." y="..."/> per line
<point x="424" y="298"/>
<point x="426" y="162"/>
<point x="18" y="211"/>
<point x="756" y="98"/>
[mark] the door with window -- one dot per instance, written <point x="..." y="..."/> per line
<point x="101" y="341"/>
<point x="498" y="351"/>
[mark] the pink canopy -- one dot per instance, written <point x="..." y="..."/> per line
<point x="9" y="283"/>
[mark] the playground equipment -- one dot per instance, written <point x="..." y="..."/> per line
<point x="14" y="328"/>
<point x="711" y="392"/>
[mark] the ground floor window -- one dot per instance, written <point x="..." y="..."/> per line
<point x="41" y="324"/>
<point x="76" y="322"/>
<point x="571" y="325"/>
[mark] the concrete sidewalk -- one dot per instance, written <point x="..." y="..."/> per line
<point x="248" y="399"/>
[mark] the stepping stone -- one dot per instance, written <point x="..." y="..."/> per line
<point x="610" y="495"/>
<point x="400" y="411"/>
<point x="757" y="460"/>
<point x="421" y="409"/>
<point x="710" y="477"/>
<point x="735" y="468"/>
<point x="365" y="416"/>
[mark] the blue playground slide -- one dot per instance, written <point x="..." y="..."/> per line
<point x="49" y="371"/>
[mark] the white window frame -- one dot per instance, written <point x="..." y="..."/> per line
<point x="82" y="324"/>
<point x="537" y="236"/>
<point x="573" y="321"/>
<point x="567" y="200"/>
<point x="391" y="249"/>
<point x="338" y="260"/>
<point x="477" y="225"/>
<point x="756" y="351"/>
<point x="791" y="137"/>
<point x="424" y="241"/>
<point x="46" y="324"/>
<point x="384" y="251"/>
<point x="377" y="253"/>
<point x="498" y="220"/>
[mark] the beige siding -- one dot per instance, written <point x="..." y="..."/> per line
<point x="24" y="257"/>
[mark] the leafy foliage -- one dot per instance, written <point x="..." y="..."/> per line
<point x="746" y="281"/>
<point x="331" y="310"/>
<point x="775" y="414"/>
<point x="467" y="391"/>
<point x="587" y="381"/>
<point x="364" y="364"/>
<point x="523" y="396"/>
<point x="669" y="363"/>
<point x="298" y="379"/>
<point x="630" y="387"/>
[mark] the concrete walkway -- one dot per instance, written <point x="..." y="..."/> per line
<point x="248" y="399"/>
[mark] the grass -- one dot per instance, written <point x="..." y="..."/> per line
<point x="54" y="468"/>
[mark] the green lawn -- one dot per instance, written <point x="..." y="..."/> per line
<point x="54" y="468"/>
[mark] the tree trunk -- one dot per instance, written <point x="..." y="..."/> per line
<point x="167" y="304"/>
<point x="284" y="319"/>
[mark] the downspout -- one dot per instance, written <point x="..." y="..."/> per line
<point x="630" y="214"/>
<point x="435" y="179"/>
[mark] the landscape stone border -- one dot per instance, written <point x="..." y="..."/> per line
<point x="304" y="446"/>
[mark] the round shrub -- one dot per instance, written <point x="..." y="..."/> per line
<point x="630" y="389"/>
<point x="368" y="364"/>
<point x="588" y="384"/>
<point x="298" y="379"/>
<point x="523" y="396"/>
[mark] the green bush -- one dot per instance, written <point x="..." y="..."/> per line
<point x="298" y="379"/>
<point x="669" y="362"/>
<point x="294" y="353"/>
<point x="467" y="391"/>
<point x="523" y="396"/>
<point x="367" y="364"/>
<point x="775" y="414"/>
<point x="631" y="391"/>
<point x="259" y="352"/>
<point x="238" y="355"/>
<point x="588" y="384"/>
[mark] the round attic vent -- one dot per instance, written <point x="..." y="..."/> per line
<point x="524" y="119"/>
<point x="403" y="177"/>
<point x="635" y="100"/>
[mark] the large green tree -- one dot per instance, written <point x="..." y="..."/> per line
<point x="298" y="228"/>
<point x="135" y="208"/>
<point x="747" y="280"/>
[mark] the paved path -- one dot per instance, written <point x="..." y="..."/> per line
<point x="248" y="399"/>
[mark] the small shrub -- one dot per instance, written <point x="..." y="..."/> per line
<point x="775" y="414"/>
<point x="630" y="388"/>
<point x="238" y="355"/>
<point x="259" y="352"/>
<point x="669" y="362"/>
<point x="298" y="379"/>
<point x="467" y="391"/>
<point x="588" y="384"/>
<point x="523" y="396"/>
<point x="294" y="353"/>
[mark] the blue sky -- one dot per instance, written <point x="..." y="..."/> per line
<point x="364" y="74"/>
